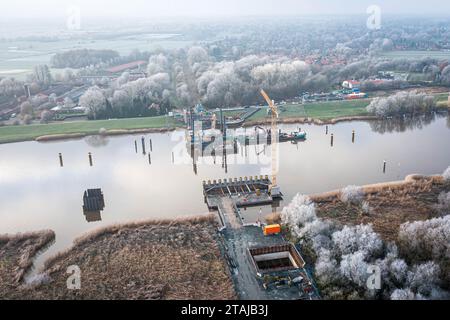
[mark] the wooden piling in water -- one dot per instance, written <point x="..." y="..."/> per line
<point x="353" y="136"/>
<point x="384" y="166"/>
<point x="332" y="139"/>
<point x="151" y="146"/>
<point x="61" y="163"/>
<point x="326" y="129"/>
<point x="91" y="163"/>
<point x="149" y="158"/>
<point x="143" y="145"/>
<point x="135" y="145"/>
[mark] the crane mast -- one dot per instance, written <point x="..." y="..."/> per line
<point x="274" y="189"/>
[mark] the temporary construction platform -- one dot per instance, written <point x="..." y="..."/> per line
<point x="228" y="195"/>
<point x="242" y="186"/>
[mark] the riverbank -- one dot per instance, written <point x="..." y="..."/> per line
<point x="16" y="259"/>
<point x="320" y="113"/>
<point x="79" y="129"/>
<point x="388" y="205"/>
<point x="306" y="120"/>
<point x="157" y="259"/>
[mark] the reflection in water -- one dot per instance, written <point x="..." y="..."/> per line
<point x="97" y="141"/>
<point x="402" y="124"/>
<point x="93" y="204"/>
<point x="92" y="216"/>
<point x="217" y="146"/>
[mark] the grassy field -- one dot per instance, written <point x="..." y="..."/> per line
<point x="331" y="109"/>
<point x="321" y="110"/>
<point x="22" y="133"/>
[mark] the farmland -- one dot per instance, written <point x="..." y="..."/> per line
<point x="17" y="58"/>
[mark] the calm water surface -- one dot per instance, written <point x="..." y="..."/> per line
<point x="36" y="193"/>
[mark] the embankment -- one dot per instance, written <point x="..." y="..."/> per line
<point x="115" y="132"/>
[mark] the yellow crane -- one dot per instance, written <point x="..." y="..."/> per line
<point x="274" y="188"/>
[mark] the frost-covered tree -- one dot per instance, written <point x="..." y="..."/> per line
<point x="197" y="54"/>
<point x="343" y="255"/>
<point x="354" y="267"/>
<point x="27" y="119"/>
<point x="26" y="108"/>
<point x="403" y="294"/>
<point x="283" y="78"/>
<point x="157" y="63"/>
<point x="124" y="77"/>
<point x="46" y="116"/>
<point x="423" y="278"/>
<point x="326" y="267"/>
<point x="184" y="95"/>
<point x="446" y="174"/>
<point x="443" y="205"/>
<point x="357" y="238"/>
<point x="121" y="102"/>
<point x="426" y="240"/>
<point x="299" y="212"/>
<point x="94" y="102"/>
<point x="42" y="75"/>
<point x="401" y="103"/>
<point x="352" y="194"/>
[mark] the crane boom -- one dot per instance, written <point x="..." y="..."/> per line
<point x="274" y="189"/>
<point x="272" y="106"/>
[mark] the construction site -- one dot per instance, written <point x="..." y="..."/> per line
<point x="263" y="264"/>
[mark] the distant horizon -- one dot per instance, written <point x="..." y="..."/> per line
<point x="217" y="18"/>
<point x="141" y="9"/>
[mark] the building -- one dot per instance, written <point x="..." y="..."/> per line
<point x="351" y="84"/>
<point x="140" y="64"/>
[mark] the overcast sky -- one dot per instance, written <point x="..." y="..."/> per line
<point x="148" y="8"/>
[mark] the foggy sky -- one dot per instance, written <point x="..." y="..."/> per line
<point x="169" y="8"/>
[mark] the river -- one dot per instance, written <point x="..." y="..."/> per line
<point x="37" y="193"/>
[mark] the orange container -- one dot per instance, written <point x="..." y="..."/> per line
<point x="271" y="229"/>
